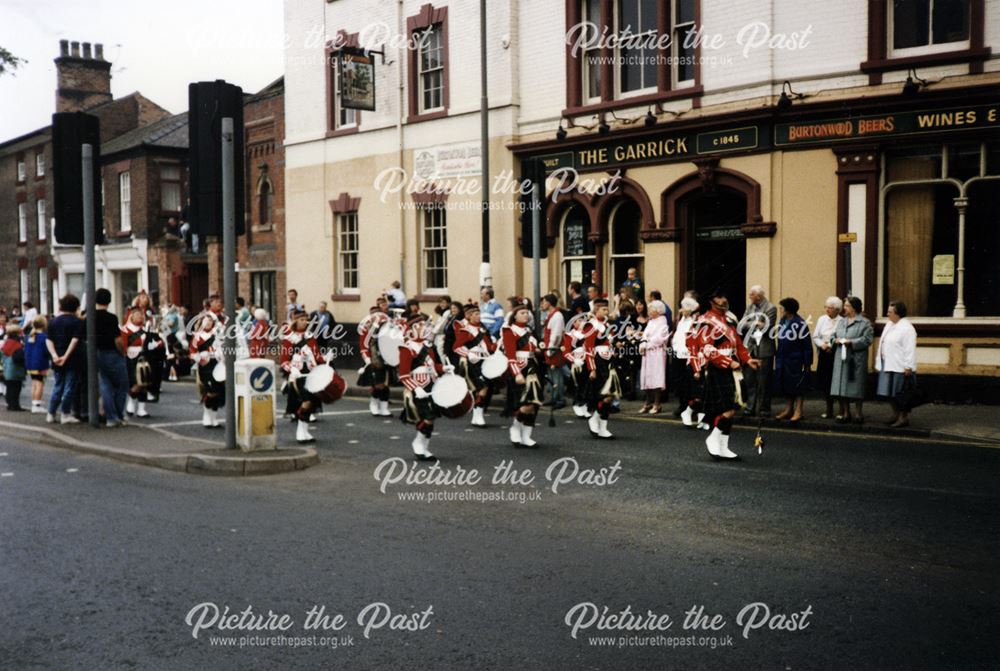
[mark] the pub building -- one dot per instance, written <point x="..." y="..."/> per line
<point x="887" y="198"/>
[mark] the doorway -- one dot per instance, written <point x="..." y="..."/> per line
<point x="715" y="249"/>
<point x="578" y="252"/>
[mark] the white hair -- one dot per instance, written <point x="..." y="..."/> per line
<point x="835" y="303"/>
<point x="759" y="290"/>
<point x="689" y="304"/>
<point x="260" y="314"/>
<point x="658" y="306"/>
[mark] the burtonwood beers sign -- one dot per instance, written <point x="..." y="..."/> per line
<point x="887" y="125"/>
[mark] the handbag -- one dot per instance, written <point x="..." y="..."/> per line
<point x="911" y="395"/>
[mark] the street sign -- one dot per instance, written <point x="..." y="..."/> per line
<point x="845" y="238"/>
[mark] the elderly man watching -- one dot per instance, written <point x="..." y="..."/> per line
<point x="758" y="328"/>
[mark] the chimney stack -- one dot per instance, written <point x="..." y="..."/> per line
<point x="84" y="80"/>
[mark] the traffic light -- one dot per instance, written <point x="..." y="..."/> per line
<point x="70" y="131"/>
<point x="208" y="104"/>
<point x="531" y="170"/>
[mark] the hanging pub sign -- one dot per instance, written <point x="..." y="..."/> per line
<point x="357" y="79"/>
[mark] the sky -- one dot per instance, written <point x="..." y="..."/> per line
<point x="156" y="48"/>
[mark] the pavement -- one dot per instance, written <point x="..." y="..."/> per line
<point x="889" y="543"/>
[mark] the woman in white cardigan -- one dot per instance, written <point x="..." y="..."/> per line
<point x="896" y="360"/>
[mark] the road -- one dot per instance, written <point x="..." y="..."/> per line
<point x="882" y="552"/>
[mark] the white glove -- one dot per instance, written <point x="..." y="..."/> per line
<point x="420" y="393"/>
<point x="448" y="368"/>
<point x="152" y="345"/>
<point x="361" y="370"/>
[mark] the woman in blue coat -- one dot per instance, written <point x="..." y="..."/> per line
<point x="793" y="360"/>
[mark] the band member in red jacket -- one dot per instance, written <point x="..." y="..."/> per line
<point x="418" y="369"/>
<point x="206" y="352"/>
<point x="717" y="355"/>
<point x="524" y="383"/>
<point x="299" y="354"/>
<point x="576" y="357"/>
<point x="376" y="373"/>
<point x="473" y="344"/>
<point x="140" y="345"/>
<point x="603" y="378"/>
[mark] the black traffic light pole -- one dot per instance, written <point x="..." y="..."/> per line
<point x="90" y="279"/>
<point x="229" y="277"/>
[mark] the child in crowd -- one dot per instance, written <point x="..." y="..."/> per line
<point x="14" y="373"/>
<point x="38" y="361"/>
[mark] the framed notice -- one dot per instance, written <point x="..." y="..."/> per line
<point x="357" y="79"/>
<point x="944" y="269"/>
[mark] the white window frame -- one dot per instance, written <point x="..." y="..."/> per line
<point x="619" y="94"/>
<point x="22" y="222"/>
<point x="585" y="71"/>
<point x="929" y="48"/>
<point x="22" y="280"/>
<point x="348" y="245"/>
<point x="125" y="201"/>
<point x="39" y="164"/>
<point x="42" y="219"/>
<point x="677" y="44"/>
<point x="343" y="117"/>
<point x="433" y="218"/>
<point x="169" y="182"/>
<point x="43" y="293"/>
<point x="21" y="170"/>
<point x="436" y="32"/>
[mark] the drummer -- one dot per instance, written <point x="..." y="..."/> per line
<point x="473" y="344"/>
<point x="603" y="376"/>
<point x="299" y="354"/>
<point x="418" y="369"/>
<point x="206" y="352"/>
<point x="575" y="355"/>
<point x="524" y="385"/>
<point x="376" y="373"/>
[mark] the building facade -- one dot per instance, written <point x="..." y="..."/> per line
<point x="816" y="149"/>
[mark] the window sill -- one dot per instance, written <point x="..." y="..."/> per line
<point x="943" y="58"/>
<point x="969" y="327"/>
<point x="345" y="298"/>
<point x="427" y="116"/>
<point x="636" y="101"/>
<point x="339" y="132"/>
<point x="431" y="295"/>
<point x="22" y="243"/>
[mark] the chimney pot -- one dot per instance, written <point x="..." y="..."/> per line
<point x="64" y="47"/>
<point x="86" y="50"/>
<point x="99" y="52"/>
<point x="74" y="49"/>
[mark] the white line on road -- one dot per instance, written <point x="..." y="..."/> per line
<point x="3" y="454"/>
<point x="7" y="475"/>
<point x="72" y="470"/>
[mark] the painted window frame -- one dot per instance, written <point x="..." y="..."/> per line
<point x="41" y="220"/>
<point x="428" y="17"/>
<point x="433" y="217"/>
<point x="345" y="220"/>
<point x="125" y="201"/>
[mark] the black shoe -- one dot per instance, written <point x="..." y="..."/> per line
<point x="424" y="457"/>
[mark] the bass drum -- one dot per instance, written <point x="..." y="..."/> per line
<point x="390" y="339"/>
<point x="219" y="371"/>
<point x="451" y="396"/>
<point x="324" y="383"/>
<point x="494" y="365"/>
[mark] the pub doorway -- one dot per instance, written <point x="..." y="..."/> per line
<point x="716" y="250"/>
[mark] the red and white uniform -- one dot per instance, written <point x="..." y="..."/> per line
<point x="572" y="347"/>
<point x="366" y="333"/>
<point x="713" y="341"/>
<point x="552" y="337"/>
<point x="465" y="334"/>
<point x="206" y="343"/>
<point x="413" y="373"/>
<point x="597" y="342"/>
<point x="299" y="352"/>
<point x="134" y="338"/>
<point x="519" y="346"/>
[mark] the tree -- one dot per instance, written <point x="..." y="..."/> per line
<point x="9" y="62"/>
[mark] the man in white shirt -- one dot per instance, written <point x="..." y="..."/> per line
<point x="553" y="326"/>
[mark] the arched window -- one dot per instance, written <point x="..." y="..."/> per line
<point x="626" y="248"/>
<point x="265" y="203"/>
<point x="578" y="254"/>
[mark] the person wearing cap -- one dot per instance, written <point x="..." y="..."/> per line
<point x="718" y="353"/>
<point x="604" y="384"/>
<point x="419" y="368"/>
<point x="376" y="373"/>
<point x="299" y="354"/>
<point x="576" y="356"/>
<point x="552" y="334"/>
<point x="472" y="345"/>
<point x="524" y="385"/>
<point x="206" y="351"/>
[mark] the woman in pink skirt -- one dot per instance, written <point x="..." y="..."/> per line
<point x="653" y="376"/>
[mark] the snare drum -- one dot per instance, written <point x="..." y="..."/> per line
<point x="451" y="396"/>
<point x="324" y="383"/>
<point x="494" y="365"/>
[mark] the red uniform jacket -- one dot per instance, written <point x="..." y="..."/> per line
<point x="292" y="342"/>
<point x="713" y="341"/>
<point x="414" y="372"/>
<point x="465" y="333"/>
<point x="514" y="341"/>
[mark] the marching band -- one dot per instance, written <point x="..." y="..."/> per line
<point x="397" y="347"/>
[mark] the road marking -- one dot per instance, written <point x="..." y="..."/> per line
<point x="387" y="421"/>
<point x="393" y="437"/>
<point x="349" y="424"/>
<point x="7" y="475"/>
<point x="469" y="430"/>
<point x="3" y="454"/>
<point x="72" y="470"/>
<point x="353" y="442"/>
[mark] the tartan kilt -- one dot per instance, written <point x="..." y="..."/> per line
<point x="719" y="391"/>
<point x="581" y="384"/>
<point x="607" y="383"/>
<point x="416" y="410"/>
<point x="529" y="393"/>
<point x="473" y="374"/>
<point x="372" y="376"/>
